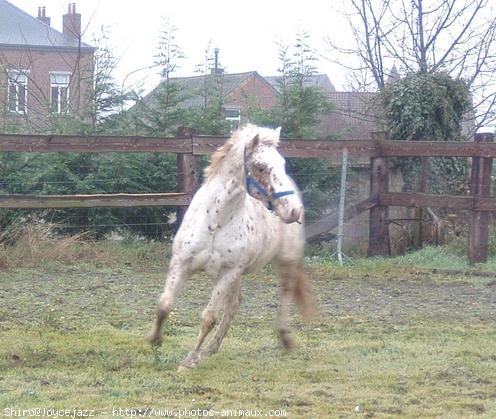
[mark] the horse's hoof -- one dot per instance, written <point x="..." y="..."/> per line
<point x="287" y="341"/>
<point x="154" y="339"/>
<point x="190" y="361"/>
<point x="289" y="344"/>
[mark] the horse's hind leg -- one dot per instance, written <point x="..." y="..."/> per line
<point x="210" y="315"/>
<point x="176" y="277"/>
<point x="294" y="285"/>
<point x="287" y="291"/>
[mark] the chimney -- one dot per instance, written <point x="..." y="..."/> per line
<point x="393" y="75"/>
<point x="42" y="16"/>
<point x="216" y="69"/>
<point x="71" y="22"/>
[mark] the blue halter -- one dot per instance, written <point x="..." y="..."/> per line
<point x="252" y="183"/>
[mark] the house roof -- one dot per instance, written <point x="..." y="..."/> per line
<point x="195" y="85"/>
<point x="318" y="80"/>
<point x="355" y="115"/>
<point x="19" y="29"/>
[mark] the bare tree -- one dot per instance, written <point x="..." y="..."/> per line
<point x="454" y="36"/>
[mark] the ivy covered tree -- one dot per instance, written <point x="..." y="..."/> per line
<point x="452" y="36"/>
<point x="428" y="106"/>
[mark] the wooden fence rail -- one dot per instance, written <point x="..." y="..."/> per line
<point x="200" y="145"/>
<point x="424" y="200"/>
<point x="97" y="200"/>
<point x="188" y="146"/>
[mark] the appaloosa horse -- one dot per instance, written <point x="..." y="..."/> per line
<point x="247" y="213"/>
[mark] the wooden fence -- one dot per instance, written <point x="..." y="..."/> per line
<point x="188" y="146"/>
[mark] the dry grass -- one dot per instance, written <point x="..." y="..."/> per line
<point x="37" y="244"/>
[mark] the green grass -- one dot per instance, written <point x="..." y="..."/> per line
<point x="393" y="340"/>
<point x="452" y="256"/>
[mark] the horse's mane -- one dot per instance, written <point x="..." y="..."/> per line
<point x="244" y="135"/>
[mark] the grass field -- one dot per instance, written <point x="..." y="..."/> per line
<point x="399" y="337"/>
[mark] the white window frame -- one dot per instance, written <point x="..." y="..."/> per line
<point x="16" y="79"/>
<point x="234" y="121"/>
<point x="60" y="107"/>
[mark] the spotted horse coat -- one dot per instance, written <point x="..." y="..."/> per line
<point x="247" y="213"/>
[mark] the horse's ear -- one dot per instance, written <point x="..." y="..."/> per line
<point x="254" y="142"/>
<point x="278" y="131"/>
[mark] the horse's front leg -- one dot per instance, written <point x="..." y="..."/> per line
<point x="222" y="292"/>
<point x="176" y="277"/>
<point x="230" y="309"/>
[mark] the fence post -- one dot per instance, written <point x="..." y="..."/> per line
<point x="480" y="186"/>
<point x="418" y="229"/>
<point x="379" y="183"/>
<point x="187" y="172"/>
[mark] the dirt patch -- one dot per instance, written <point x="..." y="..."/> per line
<point x="126" y="299"/>
<point x="399" y="300"/>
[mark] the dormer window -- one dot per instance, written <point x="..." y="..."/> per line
<point x="59" y="91"/>
<point x="18" y="91"/>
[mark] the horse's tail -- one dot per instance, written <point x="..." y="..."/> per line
<point x="304" y="296"/>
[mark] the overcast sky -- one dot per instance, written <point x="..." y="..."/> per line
<point x="245" y="32"/>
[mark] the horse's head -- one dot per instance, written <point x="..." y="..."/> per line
<point x="266" y="177"/>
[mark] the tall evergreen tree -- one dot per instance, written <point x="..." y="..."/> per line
<point x="300" y="104"/>
<point x="161" y="113"/>
<point x="209" y="117"/>
<point x="300" y="107"/>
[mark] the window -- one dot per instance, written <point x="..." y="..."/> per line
<point x="233" y="117"/>
<point x="18" y="91"/>
<point x="59" y="99"/>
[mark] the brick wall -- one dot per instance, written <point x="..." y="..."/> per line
<point x="39" y="65"/>
<point x="253" y="92"/>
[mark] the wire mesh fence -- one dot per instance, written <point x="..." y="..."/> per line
<point x="90" y="173"/>
<point x="81" y="173"/>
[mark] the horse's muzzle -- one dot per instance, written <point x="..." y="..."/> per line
<point x="294" y="216"/>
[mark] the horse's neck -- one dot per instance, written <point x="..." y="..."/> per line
<point x="227" y="192"/>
